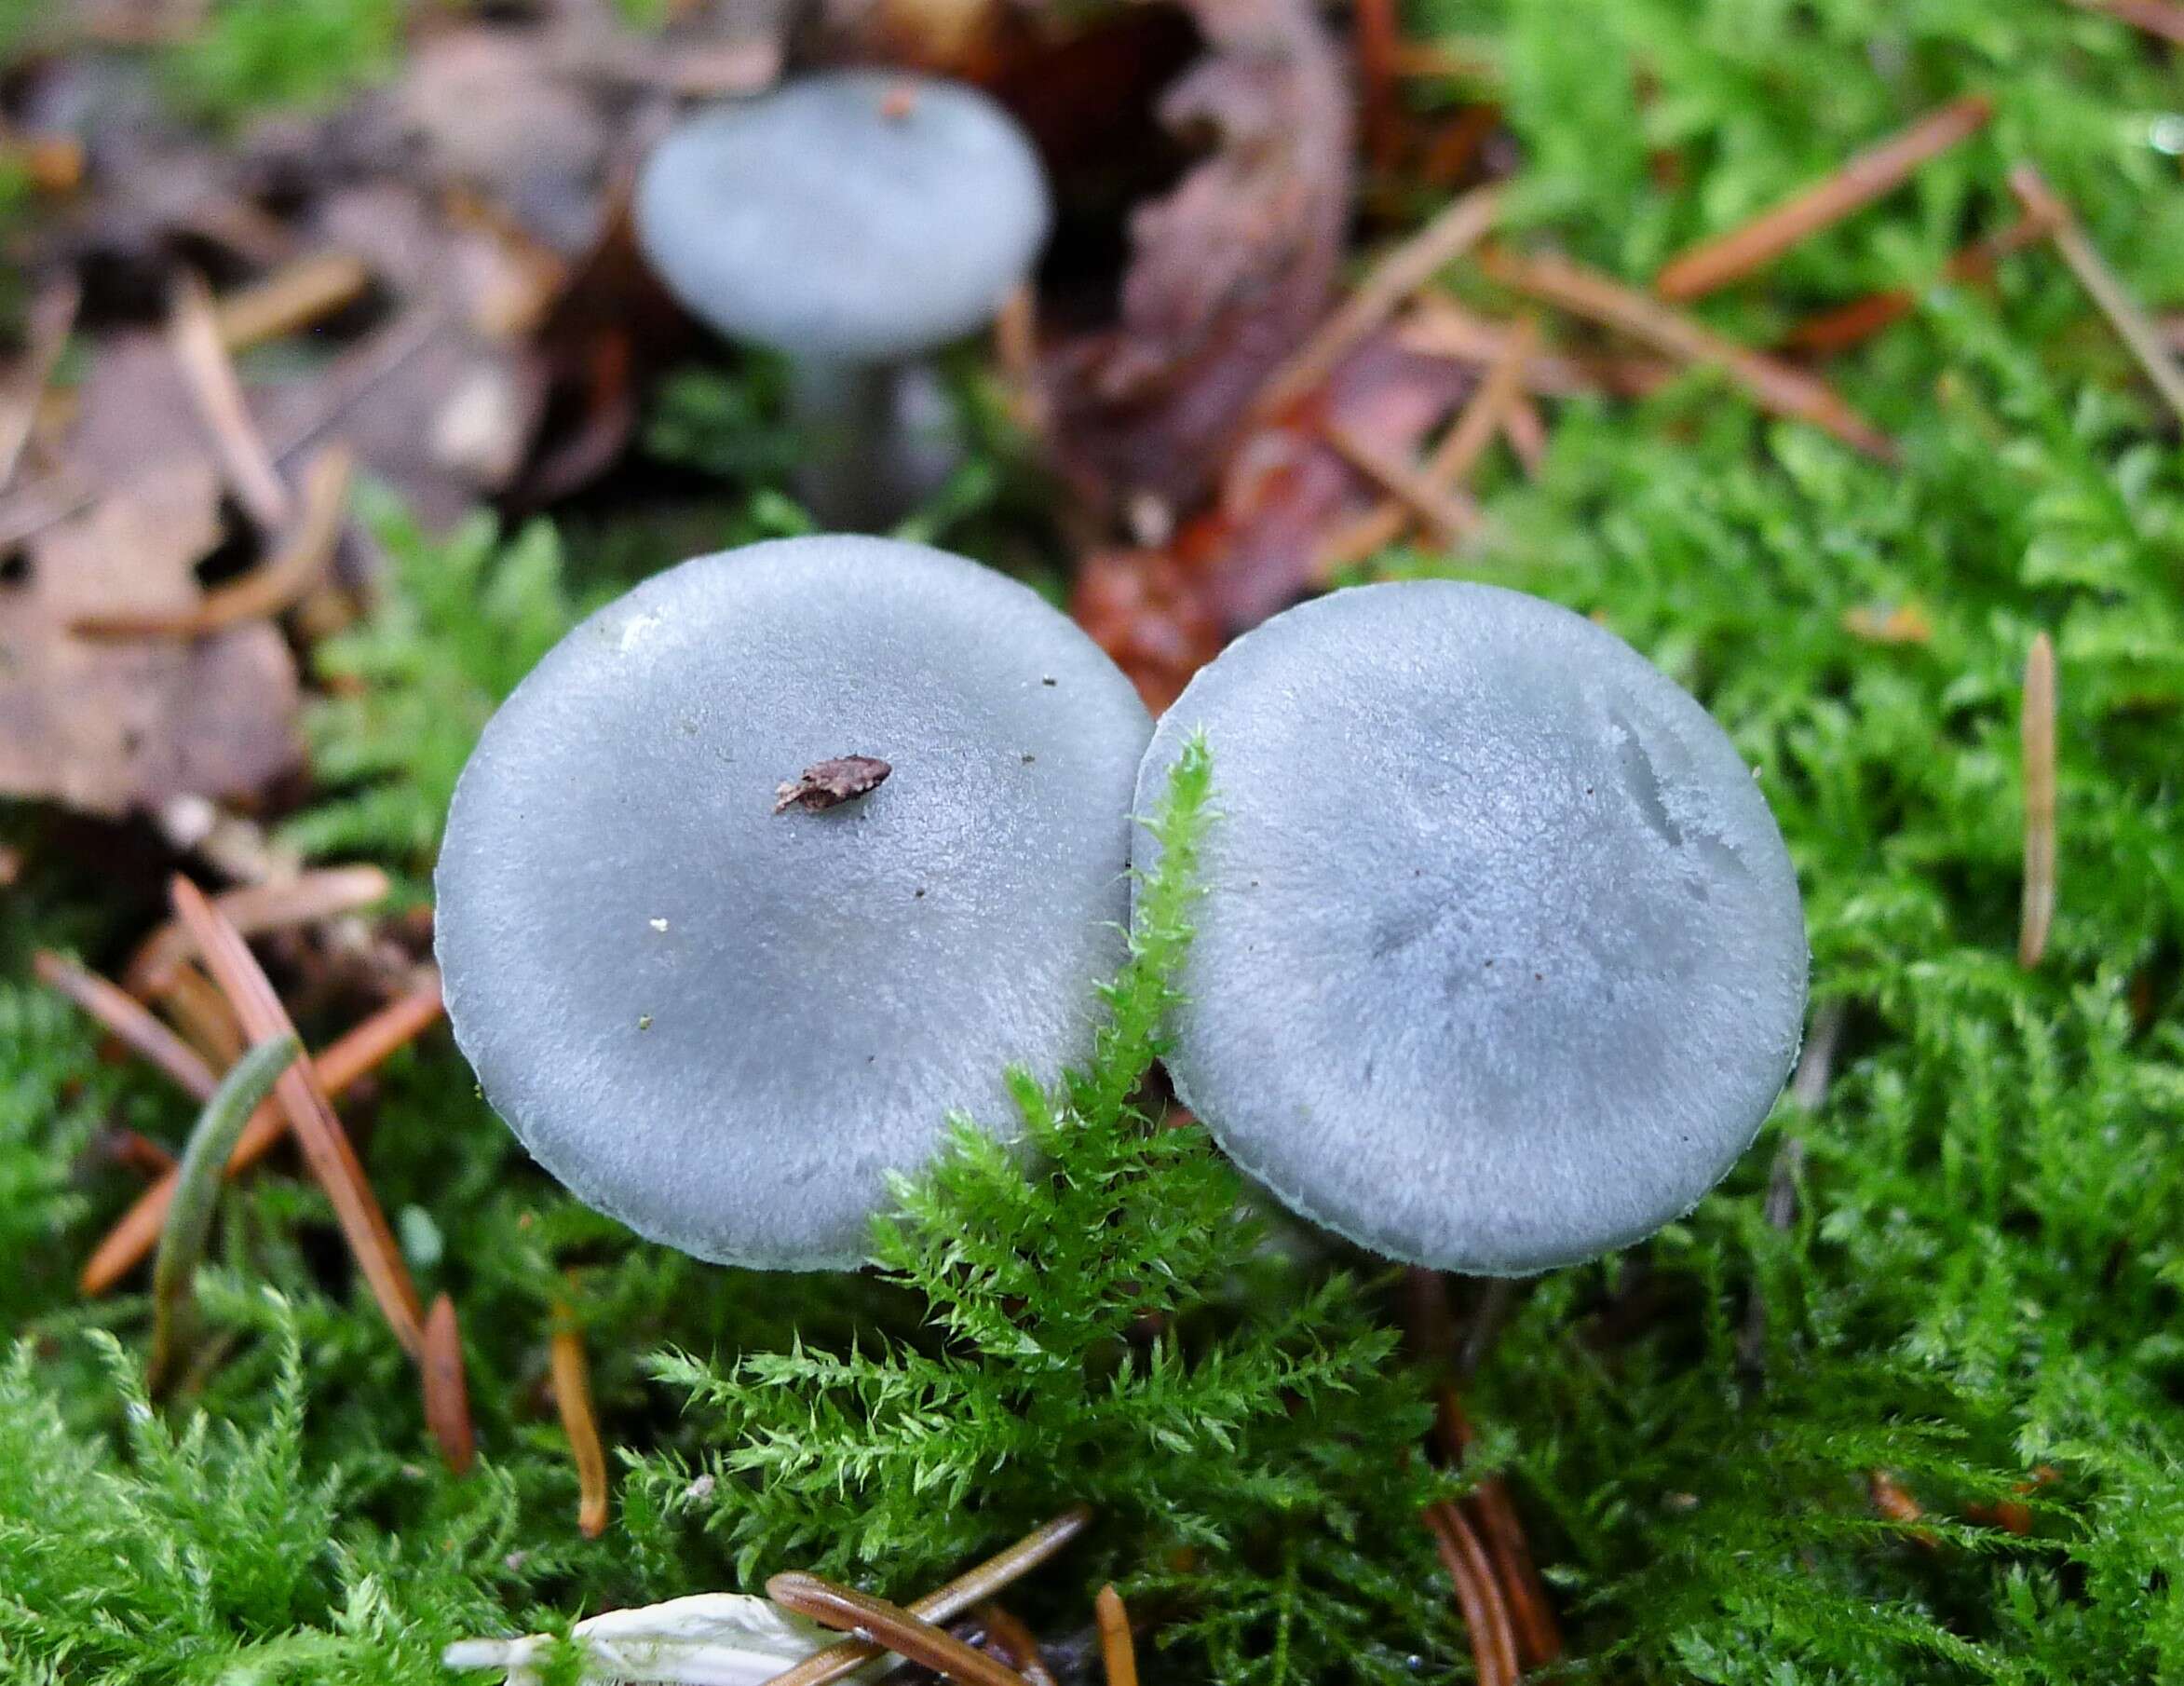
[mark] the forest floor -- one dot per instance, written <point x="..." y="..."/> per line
<point x="1826" y="350"/>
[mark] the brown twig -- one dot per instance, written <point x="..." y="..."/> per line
<point x="194" y="334"/>
<point x="947" y="1602"/>
<point x="291" y="297"/>
<point x="325" y="1145"/>
<point x="894" y="1628"/>
<point x="52" y="318"/>
<point x="1527" y="435"/>
<point x="572" y="1396"/>
<point x="2163" y="18"/>
<point x="1117" y="1649"/>
<point x="129" y="1023"/>
<point x="1867" y="176"/>
<point x="305" y="899"/>
<point x="1839" y="330"/>
<point x="1399" y="274"/>
<point x="282" y="580"/>
<point x="2124" y="313"/>
<point x="447" y="1392"/>
<point x="1016" y="350"/>
<point x="1477" y="1594"/>
<point x="2037" y="737"/>
<point x="1775" y="387"/>
<point x="338" y="1070"/>
<point x="1019" y="1645"/>
<point x="1450" y="513"/>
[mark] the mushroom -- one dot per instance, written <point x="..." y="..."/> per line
<point x="1499" y="962"/>
<point x="855" y="221"/>
<point x="725" y="1018"/>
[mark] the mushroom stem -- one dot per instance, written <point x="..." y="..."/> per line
<point x="875" y="439"/>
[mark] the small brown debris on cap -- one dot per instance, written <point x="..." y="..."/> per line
<point x="899" y="101"/>
<point x="828" y="784"/>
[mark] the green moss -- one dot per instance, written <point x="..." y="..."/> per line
<point x="1959" y="1266"/>
<point x="283" y="54"/>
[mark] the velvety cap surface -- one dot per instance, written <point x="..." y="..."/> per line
<point x="1500" y="962"/>
<point x="859" y="215"/>
<point x="724" y="1025"/>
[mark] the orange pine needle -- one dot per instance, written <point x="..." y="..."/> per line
<point x="128" y="1020"/>
<point x="325" y="1146"/>
<point x="1398" y="275"/>
<point x="305" y="899"/>
<point x="1839" y="330"/>
<point x="1774" y="386"/>
<point x="848" y="1610"/>
<point x="572" y="1396"/>
<point x="1117" y="1649"/>
<point x="447" y="1393"/>
<point x="1878" y="170"/>
<point x="947" y="1602"/>
<point x="339" y="1068"/>
<point x="1478" y="1596"/>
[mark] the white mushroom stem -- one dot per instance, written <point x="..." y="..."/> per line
<point x="874" y="440"/>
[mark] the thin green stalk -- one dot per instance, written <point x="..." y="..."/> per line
<point x="197" y="1190"/>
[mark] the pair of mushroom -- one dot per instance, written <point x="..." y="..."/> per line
<point x="856" y="223"/>
<point x="790" y="852"/>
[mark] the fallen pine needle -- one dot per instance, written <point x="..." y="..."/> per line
<point x="1847" y="325"/>
<point x="1117" y="1649"/>
<point x="1398" y="275"/>
<point x="289" y="298"/>
<point x="895" y="1629"/>
<point x="1005" y="1630"/>
<point x="1438" y="326"/>
<point x="2130" y="320"/>
<point x="305" y="899"/>
<point x="447" y="1393"/>
<point x="325" y="1145"/>
<point x="203" y="1016"/>
<point x="1534" y="1631"/>
<point x="192" y="332"/>
<point x="133" y="1150"/>
<point x="2037" y="738"/>
<point x="572" y="1397"/>
<point x="122" y="1014"/>
<point x="197" y="1190"/>
<point x="1450" y="513"/>
<point x="1477" y="1594"/>
<point x="1774" y="386"/>
<point x="1451" y="462"/>
<point x="947" y="1602"/>
<point x="1447" y="466"/>
<point x="338" y="1070"/>
<point x="1869" y="174"/>
<point x="265" y="592"/>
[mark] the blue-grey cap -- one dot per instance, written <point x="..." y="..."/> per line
<point x="856" y="217"/>
<point x="1500" y="961"/>
<point x="726" y="1025"/>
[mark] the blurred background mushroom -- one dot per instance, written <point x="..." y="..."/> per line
<point x="855" y="221"/>
<point x="771" y="864"/>
<point x="1500" y="962"/>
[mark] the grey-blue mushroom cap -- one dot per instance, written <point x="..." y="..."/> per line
<point x="726" y="1027"/>
<point x="1499" y="961"/>
<point x="856" y="217"/>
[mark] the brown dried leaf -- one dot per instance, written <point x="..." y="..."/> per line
<point x="1229" y="273"/>
<point x="112" y="728"/>
<point x="830" y="783"/>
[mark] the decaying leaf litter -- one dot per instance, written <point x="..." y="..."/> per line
<point x="1366" y="298"/>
